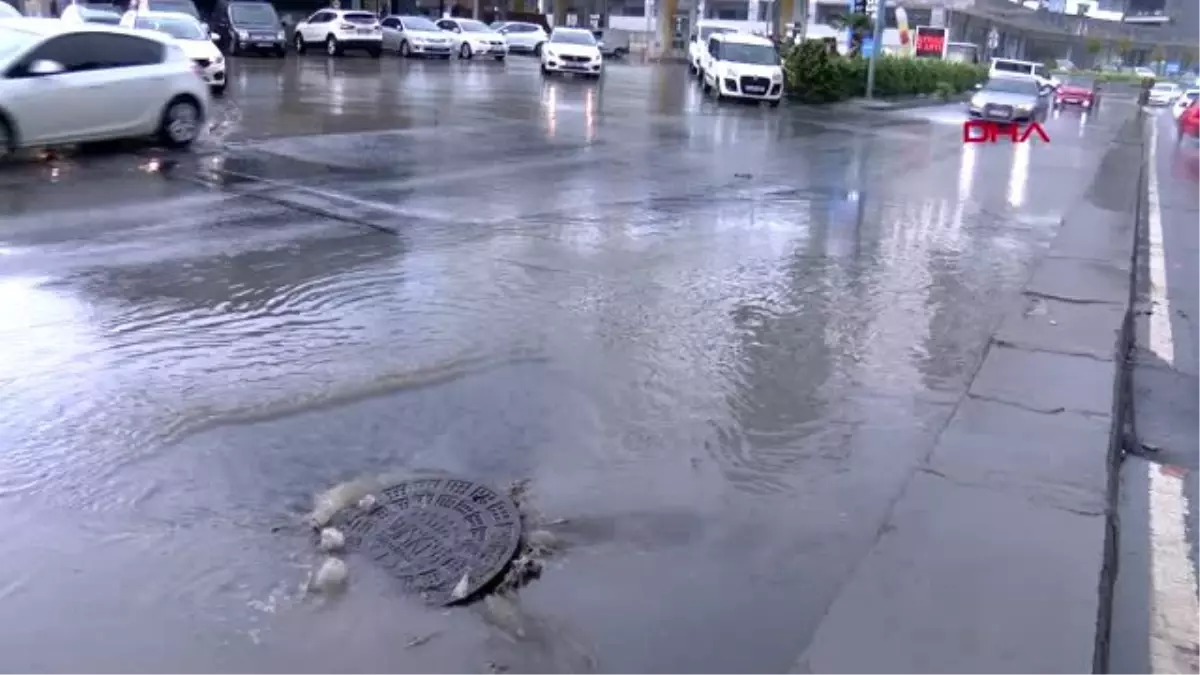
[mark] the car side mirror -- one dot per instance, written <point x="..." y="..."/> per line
<point x="44" y="67"/>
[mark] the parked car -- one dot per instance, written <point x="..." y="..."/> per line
<point x="1008" y="67"/>
<point x="340" y="30"/>
<point x="737" y="65"/>
<point x="81" y="13"/>
<point x="572" y="50"/>
<point x="1077" y="90"/>
<point x="80" y="82"/>
<point x="612" y="44"/>
<point x="1010" y="99"/>
<point x="698" y="42"/>
<point x="474" y="38"/>
<point x="248" y="26"/>
<point x="191" y="36"/>
<point x="411" y="36"/>
<point x="523" y="37"/>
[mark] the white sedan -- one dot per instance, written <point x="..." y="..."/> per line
<point x="192" y="37"/>
<point x="474" y="38"/>
<point x="572" y="50"/>
<point x="75" y="83"/>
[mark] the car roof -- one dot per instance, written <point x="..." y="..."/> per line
<point x="741" y="38"/>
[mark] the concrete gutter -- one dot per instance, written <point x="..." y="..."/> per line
<point x="999" y="553"/>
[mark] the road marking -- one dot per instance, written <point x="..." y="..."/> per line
<point x="1174" y="606"/>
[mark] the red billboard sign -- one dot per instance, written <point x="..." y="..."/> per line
<point x="931" y="42"/>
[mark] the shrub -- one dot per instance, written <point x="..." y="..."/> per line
<point x="815" y="76"/>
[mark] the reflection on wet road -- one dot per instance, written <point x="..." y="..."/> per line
<point x="716" y="338"/>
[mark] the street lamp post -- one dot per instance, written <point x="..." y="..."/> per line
<point x="876" y="45"/>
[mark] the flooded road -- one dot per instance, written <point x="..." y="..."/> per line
<point x="716" y="340"/>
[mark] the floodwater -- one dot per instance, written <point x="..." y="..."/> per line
<point x="715" y="339"/>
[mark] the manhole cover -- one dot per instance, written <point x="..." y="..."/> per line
<point x="429" y="532"/>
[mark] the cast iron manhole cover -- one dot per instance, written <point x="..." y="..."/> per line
<point x="429" y="532"/>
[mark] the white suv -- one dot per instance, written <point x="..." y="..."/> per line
<point x="339" y="30"/>
<point x="736" y="65"/>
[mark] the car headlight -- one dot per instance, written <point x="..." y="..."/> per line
<point x="281" y="35"/>
<point x="728" y="72"/>
<point x="776" y="77"/>
<point x="977" y="101"/>
<point x="243" y="35"/>
<point x="218" y="60"/>
<point x="550" y="53"/>
<point x="1025" y="108"/>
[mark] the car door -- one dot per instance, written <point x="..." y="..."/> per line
<point x="49" y="108"/>
<point x="708" y="58"/>
<point x="125" y="82"/>
<point x="391" y="32"/>
<point x="311" y="30"/>
<point x="451" y="26"/>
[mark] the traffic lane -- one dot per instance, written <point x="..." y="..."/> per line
<point x="1154" y="604"/>
<point x="717" y="341"/>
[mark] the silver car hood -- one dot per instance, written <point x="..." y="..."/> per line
<point x="1004" y="98"/>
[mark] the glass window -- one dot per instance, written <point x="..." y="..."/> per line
<point x="124" y="51"/>
<point x="1012" y="85"/>
<point x="253" y="13"/>
<point x="419" y="23"/>
<point x="359" y="17"/>
<point x="181" y="6"/>
<point x="762" y="55"/>
<point x="708" y="31"/>
<point x="177" y="28"/>
<point x="390" y="22"/>
<point x="573" y="37"/>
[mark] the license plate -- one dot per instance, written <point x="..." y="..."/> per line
<point x="756" y="90"/>
<point x="1070" y="100"/>
<point x="364" y="31"/>
<point x="999" y="114"/>
<point x="264" y="44"/>
<point x="573" y="66"/>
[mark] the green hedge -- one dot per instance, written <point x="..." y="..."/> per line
<point x="816" y="76"/>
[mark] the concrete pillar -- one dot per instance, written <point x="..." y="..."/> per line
<point x="785" y="13"/>
<point x="477" y="10"/>
<point x="560" y="12"/>
<point x="666" y="24"/>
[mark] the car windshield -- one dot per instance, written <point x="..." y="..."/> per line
<point x="181" y="7"/>
<point x="100" y="16"/>
<point x="573" y="37"/>
<point x="359" y="17"/>
<point x="762" y="55"/>
<point x="181" y="29"/>
<point x="253" y="13"/>
<point x="1012" y="86"/>
<point x="14" y="41"/>
<point x="419" y="23"/>
<point x="1191" y="95"/>
<point x="707" y="31"/>
<point x="471" y="26"/>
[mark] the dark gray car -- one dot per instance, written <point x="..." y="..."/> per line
<point x="1010" y="99"/>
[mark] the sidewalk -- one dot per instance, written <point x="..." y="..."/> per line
<point x="997" y="556"/>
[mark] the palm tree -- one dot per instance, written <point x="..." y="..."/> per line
<point x="860" y="26"/>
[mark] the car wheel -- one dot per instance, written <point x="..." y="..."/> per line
<point x="537" y="49"/>
<point x="8" y="141"/>
<point x="375" y="52"/>
<point x="299" y="43"/>
<point x="500" y="58"/>
<point x="181" y="123"/>
<point x="405" y="51"/>
<point x="545" y="71"/>
<point x="332" y="47"/>
<point x="279" y="52"/>
<point x="464" y="52"/>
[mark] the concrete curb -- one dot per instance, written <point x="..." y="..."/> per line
<point x="999" y="554"/>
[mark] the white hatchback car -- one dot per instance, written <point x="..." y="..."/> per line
<point x="340" y="30"/>
<point x="736" y="65"/>
<point x="474" y="38"/>
<point x="64" y="83"/>
<point x="572" y="50"/>
<point x="192" y="37"/>
<point x="523" y="37"/>
<point x="411" y="36"/>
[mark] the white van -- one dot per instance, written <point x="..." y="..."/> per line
<point x="698" y="42"/>
<point x="1010" y="67"/>
<point x="737" y="65"/>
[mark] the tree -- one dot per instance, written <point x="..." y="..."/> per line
<point x="860" y="26"/>
<point x="1125" y="50"/>
<point x="1093" y="46"/>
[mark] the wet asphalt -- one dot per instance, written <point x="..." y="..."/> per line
<point x="715" y="338"/>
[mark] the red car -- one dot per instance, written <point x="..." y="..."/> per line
<point x="1189" y="122"/>
<point x="1078" y="91"/>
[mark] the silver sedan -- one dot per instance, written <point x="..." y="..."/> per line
<point x="1010" y="99"/>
